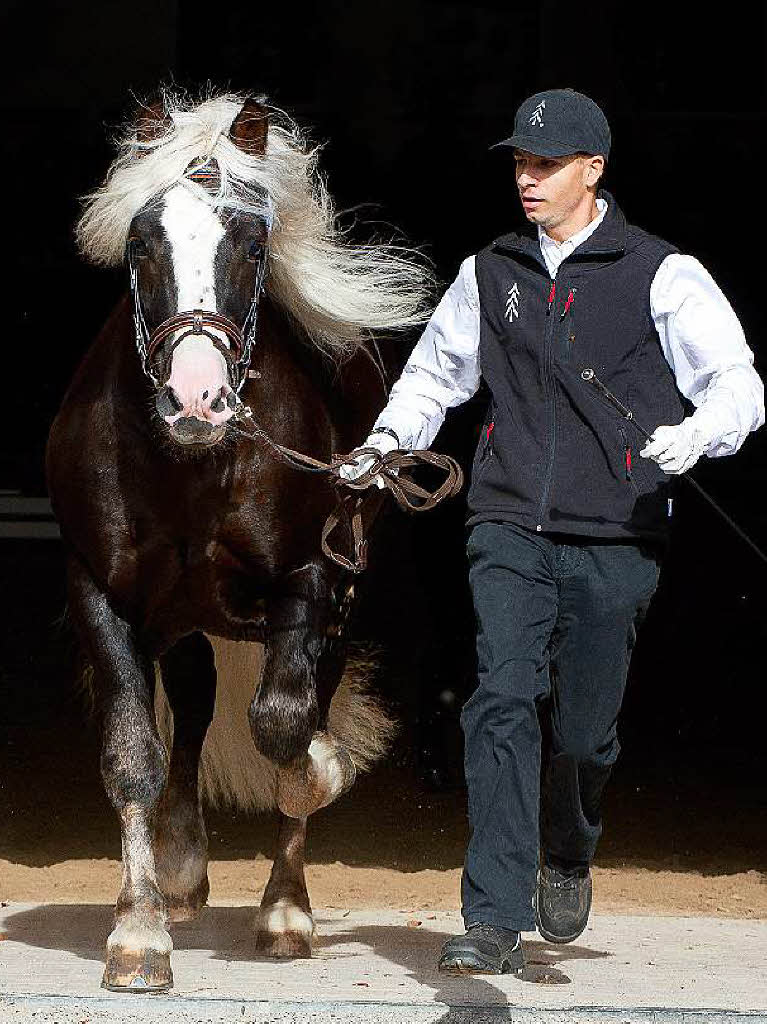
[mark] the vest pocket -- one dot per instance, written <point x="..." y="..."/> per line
<point x="627" y="459"/>
<point x="485" y="450"/>
<point x="488" y="450"/>
<point x="487" y="439"/>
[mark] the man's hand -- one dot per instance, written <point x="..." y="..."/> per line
<point x="677" y="449"/>
<point x="383" y="443"/>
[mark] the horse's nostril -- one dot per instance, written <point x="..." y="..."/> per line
<point x="205" y="396"/>
<point x="167" y="402"/>
<point x="217" y="405"/>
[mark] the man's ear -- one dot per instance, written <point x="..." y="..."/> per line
<point x="595" y="168"/>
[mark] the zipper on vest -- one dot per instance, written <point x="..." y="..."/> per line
<point x="570" y="300"/>
<point x="549" y="378"/>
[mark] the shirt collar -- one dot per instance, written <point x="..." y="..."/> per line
<point x="572" y="243"/>
<point x="609" y="239"/>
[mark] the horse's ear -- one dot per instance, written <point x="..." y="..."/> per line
<point x="250" y="128"/>
<point x="152" y="122"/>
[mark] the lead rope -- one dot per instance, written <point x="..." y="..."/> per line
<point x="410" y="496"/>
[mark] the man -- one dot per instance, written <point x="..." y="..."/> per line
<point x="566" y="524"/>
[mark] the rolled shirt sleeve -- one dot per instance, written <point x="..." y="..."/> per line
<point x="704" y="344"/>
<point x="443" y="368"/>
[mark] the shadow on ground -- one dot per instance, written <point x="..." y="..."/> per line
<point x="228" y="932"/>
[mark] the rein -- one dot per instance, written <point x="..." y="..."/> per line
<point x="410" y="497"/>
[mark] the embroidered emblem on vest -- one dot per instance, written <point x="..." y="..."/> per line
<point x="512" y="303"/>
<point x="537" y="118"/>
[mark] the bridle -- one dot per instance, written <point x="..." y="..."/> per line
<point x="198" y="322"/>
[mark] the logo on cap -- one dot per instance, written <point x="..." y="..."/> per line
<point x="512" y="303"/>
<point x="537" y="117"/>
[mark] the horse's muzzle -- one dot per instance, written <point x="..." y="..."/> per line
<point x="189" y="430"/>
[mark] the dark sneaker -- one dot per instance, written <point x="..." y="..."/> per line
<point x="484" y="949"/>
<point x="562" y="903"/>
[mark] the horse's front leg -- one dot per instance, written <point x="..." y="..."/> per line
<point x="134" y="770"/>
<point x="286" y="718"/>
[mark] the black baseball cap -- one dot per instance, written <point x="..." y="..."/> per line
<point x="559" y="122"/>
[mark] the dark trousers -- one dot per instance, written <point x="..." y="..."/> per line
<point x="554" y="620"/>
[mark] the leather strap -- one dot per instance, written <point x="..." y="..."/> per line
<point x="348" y="511"/>
<point x="196" y="320"/>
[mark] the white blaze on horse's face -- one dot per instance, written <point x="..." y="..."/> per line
<point x="198" y="375"/>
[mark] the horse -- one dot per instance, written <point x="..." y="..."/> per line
<point x="187" y="547"/>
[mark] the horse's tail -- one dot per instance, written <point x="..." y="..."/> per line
<point x="232" y="772"/>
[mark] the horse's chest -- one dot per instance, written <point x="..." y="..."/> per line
<point x="200" y="585"/>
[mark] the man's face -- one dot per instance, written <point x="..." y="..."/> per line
<point x="552" y="188"/>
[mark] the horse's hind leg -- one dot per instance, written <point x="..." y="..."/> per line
<point x="302" y="669"/>
<point x="180" y="842"/>
<point x="134" y="768"/>
<point x="285" y="923"/>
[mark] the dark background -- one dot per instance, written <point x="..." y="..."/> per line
<point x="409" y="96"/>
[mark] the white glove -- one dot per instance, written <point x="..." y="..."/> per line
<point x="384" y="443"/>
<point x="677" y="449"/>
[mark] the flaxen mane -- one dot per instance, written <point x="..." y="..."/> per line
<point x="338" y="291"/>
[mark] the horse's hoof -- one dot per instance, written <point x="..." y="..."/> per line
<point x="180" y="912"/>
<point x="286" y="946"/>
<point x="325" y="773"/>
<point x="284" y="931"/>
<point x="293" y="802"/>
<point x="129" y="971"/>
<point x="187" y="908"/>
<point x="348" y="770"/>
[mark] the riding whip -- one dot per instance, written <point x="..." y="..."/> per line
<point x="590" y="377"/>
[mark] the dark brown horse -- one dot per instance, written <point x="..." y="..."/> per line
<point x="177" y="530"/>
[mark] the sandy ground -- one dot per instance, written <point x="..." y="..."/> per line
<point x="392" y="844"/>
<point x="338" y="886"/>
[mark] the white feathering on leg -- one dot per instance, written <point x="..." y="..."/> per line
<point x="284" y="917"/>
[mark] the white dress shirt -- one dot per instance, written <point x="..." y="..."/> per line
<point x="700" y="336"/>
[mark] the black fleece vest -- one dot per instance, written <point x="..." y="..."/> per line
<point x="553" y="456"/>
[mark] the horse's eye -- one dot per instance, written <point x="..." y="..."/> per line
<point x="138" y="248"/>
<point x="254" y="251"/>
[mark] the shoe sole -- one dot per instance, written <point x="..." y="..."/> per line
<point x="472" y="964"/>
<point x="558" y="940"/>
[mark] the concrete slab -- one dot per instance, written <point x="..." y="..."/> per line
<point x="26" y="518"/>
<point x="380" y="966"/>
